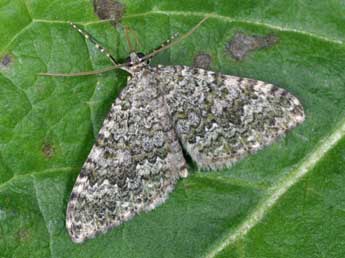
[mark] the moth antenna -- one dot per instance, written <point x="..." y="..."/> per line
<point x="94" y="41"/>
<point x="167" y="42"/>
<point x="165" y="45"/>
<point x="171" y="42"/>
<point x="104" y="70"/>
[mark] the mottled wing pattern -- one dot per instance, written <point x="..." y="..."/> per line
<point x="220" y="119"/>
<point x="132" y="167"/>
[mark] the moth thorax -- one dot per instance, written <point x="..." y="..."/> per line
<point x="135" y="58"/>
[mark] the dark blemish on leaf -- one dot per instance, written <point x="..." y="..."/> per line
<point x="109" y="10"/>
<point x="202" y="60"/>
<point x="48" y="150"/>
<point x="5" y="61"/>
<point x="241" y="44"/>
<point x="23" y="235"/>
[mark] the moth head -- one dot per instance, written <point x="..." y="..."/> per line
<point x="136" y="58"/>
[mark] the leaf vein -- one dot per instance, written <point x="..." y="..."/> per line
<point x="43" y="215"/>
<point x="229" y="19"/>
<point x="278" y="190"/>
<point x="49" y="170"/>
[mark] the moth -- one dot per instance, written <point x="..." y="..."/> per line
<point x="137" y="158"/>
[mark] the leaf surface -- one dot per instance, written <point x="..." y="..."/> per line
<point x="285" y="201"/>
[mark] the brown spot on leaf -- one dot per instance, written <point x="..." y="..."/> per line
<point x="48" y="150"/>
<point x="202" y="60"/>
<point x="5" y="61"/>
<point x="23" y="235"/>
<point x="241" y="44"/>
<point x="109" y="10"/>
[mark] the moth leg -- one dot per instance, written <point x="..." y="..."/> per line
<point x="94" y="41"/>
<point x="128" y="32"/>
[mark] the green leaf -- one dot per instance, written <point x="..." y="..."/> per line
<point x="285" y="201"/>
